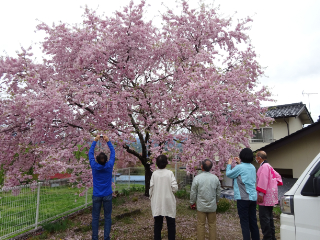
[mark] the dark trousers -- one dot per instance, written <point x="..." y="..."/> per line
<point x="248" y="219"/>
<point x="266" y="222"/>
<point x="171" y="224"/>
<point x="97" y="202"/>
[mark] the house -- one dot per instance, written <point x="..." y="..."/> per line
<point x="289" y="145"/>
<point x="288" y="119"/>
<point x="291" y="154"/>
<point x="60" y="176"/>
<point x="59" y="179"/>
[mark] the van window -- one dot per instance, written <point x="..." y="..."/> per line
<point x="307" y="190"/>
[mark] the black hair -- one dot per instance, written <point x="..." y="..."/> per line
<point x="102" y="158"/>
<point x="246" y="155"/>
<point x="207" y="165"/>
<point x="162" y="161"/>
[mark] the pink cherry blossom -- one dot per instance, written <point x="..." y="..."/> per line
<point x="124" y="77"/>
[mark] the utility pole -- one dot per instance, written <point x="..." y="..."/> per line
<point x="303" y="93"/>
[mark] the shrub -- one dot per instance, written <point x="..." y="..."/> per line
<point x="57" y="226"/>
<point x="137" y="188"/>
<point x="276" y="211"/>
<point x="182" y="194"/>
<point x="223" y="205"/>
<point x="137" y="171"/>
<point x="125" y="192"/>
<point x="118" y="201"/>
<point x="2" y="174"/>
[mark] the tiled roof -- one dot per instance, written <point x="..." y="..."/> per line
<point x="287" y="110"/>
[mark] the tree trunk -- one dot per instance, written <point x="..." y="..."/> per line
<point x="147" y="174"/>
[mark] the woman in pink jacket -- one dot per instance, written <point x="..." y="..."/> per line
<point x="268" y="181"/>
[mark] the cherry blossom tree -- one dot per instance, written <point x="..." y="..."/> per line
<point x="194" y="81"/>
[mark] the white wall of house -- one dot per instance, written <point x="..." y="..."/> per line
<point x="280" y="130"/>
<point x="295" y="124"/>
<point x="279" y="127"/>
<point x="296" y="155"/>
<point x="255" y="146"/>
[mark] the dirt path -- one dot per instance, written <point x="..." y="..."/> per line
<point x="140" y="225"/>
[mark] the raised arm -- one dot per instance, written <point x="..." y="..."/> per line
<point x="93" y="163"/>
<point x="232" y="173"/>
<point x="91" y="151"/>
<point x="110" y="163"/>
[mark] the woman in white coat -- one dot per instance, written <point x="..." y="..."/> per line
<point x="163" y="202"/>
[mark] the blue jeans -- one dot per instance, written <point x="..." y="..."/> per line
<point x="107" y="208"/>
<point x="248" y="219"/>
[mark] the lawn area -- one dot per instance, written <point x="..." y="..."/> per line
<point x="139" y="225"/>
<point x="121" y="186"/>
<point x="19" y="212"/>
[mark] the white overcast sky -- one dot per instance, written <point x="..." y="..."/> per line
<point x="286" y="36"/>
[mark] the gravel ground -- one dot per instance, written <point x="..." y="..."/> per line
<point x="140" y="225"/>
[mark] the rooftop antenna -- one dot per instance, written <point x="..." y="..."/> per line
<point x="303" y="93"/>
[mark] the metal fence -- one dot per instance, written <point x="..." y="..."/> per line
<point x="28" y="206"/>
<point x="126" y="177"/>
<point x="25" y="207"/>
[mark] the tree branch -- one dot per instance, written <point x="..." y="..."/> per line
<point x="133" y="152"/>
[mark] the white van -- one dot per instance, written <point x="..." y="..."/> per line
<point x="300" y="206"/>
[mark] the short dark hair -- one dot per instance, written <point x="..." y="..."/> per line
<point x="246" y="155"/>
<point x="262" y="154"/>
<point x="162" y="161"/>
<point x="102" y="158"/>
<point x="207" y="165"/>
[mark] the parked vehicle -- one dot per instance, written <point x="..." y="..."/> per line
<point x="300" y="206"/>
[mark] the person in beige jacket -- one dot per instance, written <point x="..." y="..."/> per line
<point x="163" y="202"/>
<point x="205" y="192"/>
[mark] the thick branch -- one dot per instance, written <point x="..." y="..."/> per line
<point x="133" y="152"/>
<point x="137" y="130"/>
<point x="86" y="108"/>
<point x="75" y="126"/>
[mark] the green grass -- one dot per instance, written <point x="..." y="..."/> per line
<point x="127" y="220"/>
<point x="276" y="211"/>
<point x="120" y="187"/>
<point x="118" y="201"/>
<point x="55" y="227"/>
<point x="19" y="211"/>
<point x="183" y="194"/>
<point x="58" y="226"/>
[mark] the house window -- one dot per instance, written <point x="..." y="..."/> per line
<point x="262" y="135"/>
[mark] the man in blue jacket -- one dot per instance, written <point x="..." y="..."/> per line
<point x="102" y="190"/>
